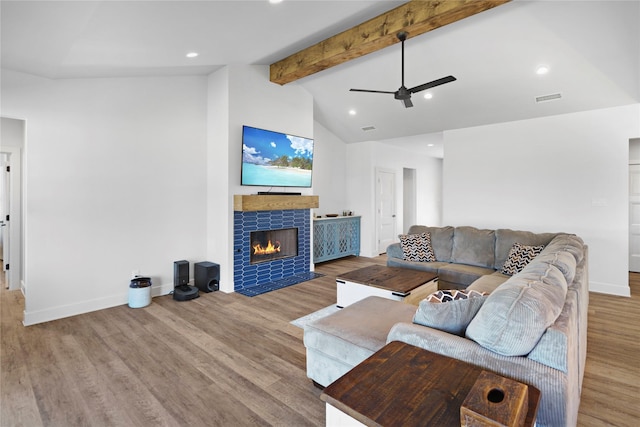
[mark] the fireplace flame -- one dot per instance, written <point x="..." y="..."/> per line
<point x="258" y="249"/>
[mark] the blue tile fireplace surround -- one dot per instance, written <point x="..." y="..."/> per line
<point x="246" y="274"/>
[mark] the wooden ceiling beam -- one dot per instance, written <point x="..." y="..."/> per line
<point x="415" y="17"/>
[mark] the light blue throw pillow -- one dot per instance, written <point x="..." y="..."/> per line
<point x="449" y="311"/>
<point x="515" y="316"/>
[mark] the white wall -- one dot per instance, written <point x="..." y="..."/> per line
<point x="115" y="178"/>
<point x="12" y="132"/>
<point x="561" y="173"/>
<point x="242" y="95"/>
<point x="362" y="160"/>
<point x="634" y="151"/>
<point x="329" y="171"/>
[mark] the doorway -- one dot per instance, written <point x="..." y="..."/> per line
<point x="12" y="140"/>
<point x="634" y="205"/>
<point x="5" y="230"/>
<point x="385" y="208"/>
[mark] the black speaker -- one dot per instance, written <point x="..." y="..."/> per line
<point x="180" y="273"/>
<point x="207" y="276"/>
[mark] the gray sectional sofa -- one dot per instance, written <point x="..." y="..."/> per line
<point x="465" y="254"/>
<point x="531" y="327"/>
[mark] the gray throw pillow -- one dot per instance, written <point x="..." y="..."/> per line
<point x="449" y="311"/>
<point x="518" y="312"/>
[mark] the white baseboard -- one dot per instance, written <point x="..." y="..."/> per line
<point x="611" y="289"/>
<point x="54" y="313"/>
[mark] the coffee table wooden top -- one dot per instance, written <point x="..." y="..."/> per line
<point x="396" y="279"/>
<point x="403" y="385"/>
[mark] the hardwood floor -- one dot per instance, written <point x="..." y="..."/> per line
<point x="230" y="360"/>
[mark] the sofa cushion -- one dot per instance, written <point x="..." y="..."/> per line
<point x="488" y="283"/>
<point x="441" y="240"/>
<point x="505" y="238"/>
<point x="417" y="247"/>
<point x="431" y="267"/>
<point x="517" y="313"/>
<point x="519" y="256"/>
<point x="474" y="247"/>
<point x="358" y="330"/>
<point x="569" y="243"/>
<point x="563" y="260"/>
<point x="461" y="274"/>
<point x="449" y="310"/>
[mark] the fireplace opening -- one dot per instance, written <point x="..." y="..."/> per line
<point x="270" y="245"/>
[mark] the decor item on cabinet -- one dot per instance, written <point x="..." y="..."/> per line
<point x="335" y="237"/>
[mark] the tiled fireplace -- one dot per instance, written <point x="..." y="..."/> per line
<point x="270" y="245"/>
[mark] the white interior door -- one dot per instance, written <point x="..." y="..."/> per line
<point x="385" y="208"/>
<point x="634" y="218"/>
<point x="5" y="198"/>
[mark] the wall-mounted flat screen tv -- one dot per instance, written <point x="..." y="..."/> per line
<point x="274" y="159"/>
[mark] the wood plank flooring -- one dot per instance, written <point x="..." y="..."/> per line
<point x="231" y="360"/>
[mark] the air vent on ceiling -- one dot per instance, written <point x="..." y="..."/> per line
<point x="368" y="128"/>
<point x="546" y="98"/>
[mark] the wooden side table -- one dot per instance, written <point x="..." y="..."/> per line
<point x="403" y="385"/>
<point x="396" y="283"/>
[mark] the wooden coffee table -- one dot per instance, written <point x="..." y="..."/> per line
<point x="401" y="284"/>
<point x="403" y="385"/>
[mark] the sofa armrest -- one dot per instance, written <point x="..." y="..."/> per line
<point x="394" y="250"/>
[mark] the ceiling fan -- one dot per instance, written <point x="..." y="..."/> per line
<point x="404" y="94"/>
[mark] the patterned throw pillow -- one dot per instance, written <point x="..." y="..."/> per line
<point x="417" y="247"/>
<point x="519" y="257"/>
<point x="452" y="295"/>
<point x="449" y="311"/>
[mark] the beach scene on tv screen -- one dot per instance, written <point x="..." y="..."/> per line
<point x="275" y="159"/>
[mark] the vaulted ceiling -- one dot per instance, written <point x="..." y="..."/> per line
<point x="592" y="49"/>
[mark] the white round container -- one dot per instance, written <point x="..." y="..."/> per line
<point x="139" y="297"/>
<point x="140" y="292"/>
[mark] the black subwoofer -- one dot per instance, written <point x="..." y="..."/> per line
<point x="207" y="276"/>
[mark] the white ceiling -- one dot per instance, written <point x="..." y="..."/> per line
<point x="592" y="49"/>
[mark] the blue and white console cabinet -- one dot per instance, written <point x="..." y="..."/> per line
<point x="335" y="237"/>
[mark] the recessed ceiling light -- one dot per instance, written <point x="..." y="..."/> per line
<point x="428" y="95"/>
<point x="542" y="69"/>
<point x="352" y="112"/>
<point x="192" y="54"/>
<point x="275" y="1"/>
<point x="429" y="145"/>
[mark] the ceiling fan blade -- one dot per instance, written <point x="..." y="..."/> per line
<point x="407" y="103"/>
<point x="372" y="91"/>
<point x="434" y="83"/>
